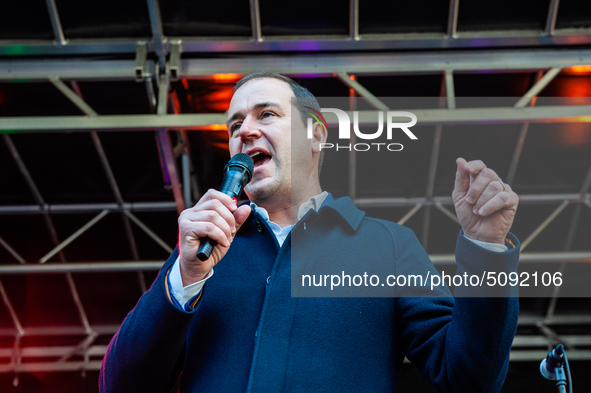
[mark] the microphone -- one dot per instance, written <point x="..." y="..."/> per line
<point x="237" y="174"/>
<point x="554" y="360"/>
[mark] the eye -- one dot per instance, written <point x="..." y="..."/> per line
<point x="267" y="114"/>
<point x="235" y="127"/>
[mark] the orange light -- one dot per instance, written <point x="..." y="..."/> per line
<point x="176" y="105"/>
<point x="352" y="77"/>
<point x="220" y="145"/>
<point x="574" y="134"/>
<point x="584" y="119"/>
<point x="580" y="69"/>
<point x="217" y="127"/>
<point x="221" y="95"/>
<point x="226" y="77"/>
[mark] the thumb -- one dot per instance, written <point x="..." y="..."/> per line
<point x="462" y="183"/>
<point x="240" y="215"/>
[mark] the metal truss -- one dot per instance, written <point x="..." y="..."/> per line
<point x="169" y="66"/>
<point x="471" y="60"/>
<point x="360" y="202"/>
<point x="135" y="266"/>
<point x="404" y="41"/>
<point x="560" y="113"/>
<point x="161" y="45"/>
<point x="87" y="208"/>
<point x="88" y="357"/>
<point x="62" y="363"/>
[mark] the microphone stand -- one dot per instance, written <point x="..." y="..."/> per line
<point x="560" y="378"/>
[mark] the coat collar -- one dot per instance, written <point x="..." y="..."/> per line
<point x="345" y="208"/>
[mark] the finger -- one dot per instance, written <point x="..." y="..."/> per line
<point x="479" y="184"/>
<point x="203" y="229"/>
<point x="215" y="205"/>
<point x="212" y="194"/>
<point x="492" y="189"/>
<point x="462" y="183"/>
<point x="503" y="200"/>
<point x="474" y="167"/>
<point x="240" y="215"/>
<point x="211" y="216"/>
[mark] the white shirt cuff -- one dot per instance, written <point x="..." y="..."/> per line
<point x="494" y="247"/>
<point x="180" y="293"/>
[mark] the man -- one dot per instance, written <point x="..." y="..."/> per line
<point x="242" y="331"/>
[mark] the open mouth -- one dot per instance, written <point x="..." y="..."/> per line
<point x="259" y="158"/>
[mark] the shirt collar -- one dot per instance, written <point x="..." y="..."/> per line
<point x="345" y="208"/>
<point x="313" y="203"/>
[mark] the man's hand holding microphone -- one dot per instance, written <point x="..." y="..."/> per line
<point x="207" y="229"/>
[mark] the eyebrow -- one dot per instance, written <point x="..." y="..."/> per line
<point x="258" y="106"/>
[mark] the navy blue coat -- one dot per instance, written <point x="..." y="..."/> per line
<point x="248" y="334"/>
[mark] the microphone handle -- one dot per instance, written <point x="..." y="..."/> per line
<point x="207" y="245"/>
<point x="205" y="249"/>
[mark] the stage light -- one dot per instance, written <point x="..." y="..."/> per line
<point x="212" y="127"/>
<point x="578" y="70"/>
<point x="226" y="77"/>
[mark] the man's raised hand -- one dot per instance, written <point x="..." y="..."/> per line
<point x="215" y="216"/>
<point x="485" y="206"/>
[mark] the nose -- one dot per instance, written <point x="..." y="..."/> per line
<point x="249" y="130"/>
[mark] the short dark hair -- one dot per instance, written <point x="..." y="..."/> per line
<point x="303" y="97"/>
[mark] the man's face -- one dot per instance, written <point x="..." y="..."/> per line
<point x="259" y="123"/>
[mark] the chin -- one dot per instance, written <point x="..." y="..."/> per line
<point x="257" y="190"/>
<point x="261" y="189"/>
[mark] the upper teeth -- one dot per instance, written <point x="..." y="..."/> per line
<point x="252" y="155"/>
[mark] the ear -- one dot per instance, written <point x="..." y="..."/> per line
<point x="319" y="136"/>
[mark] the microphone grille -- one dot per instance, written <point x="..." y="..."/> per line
<point x="242" y="159"/>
